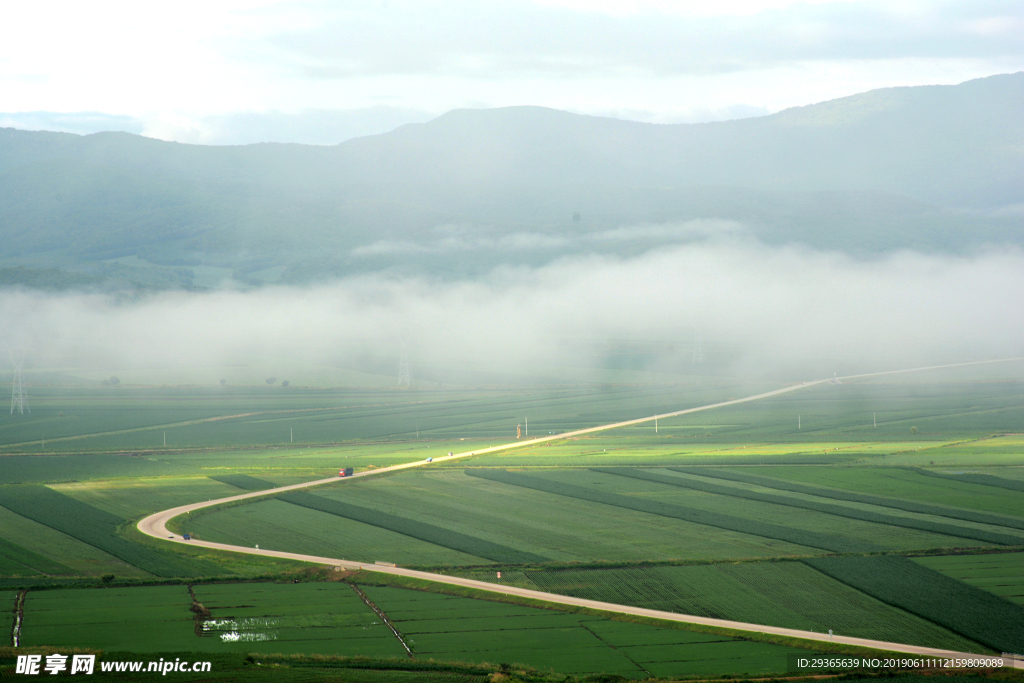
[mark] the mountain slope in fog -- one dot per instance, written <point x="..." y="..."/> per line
<point x="927" y="168"/>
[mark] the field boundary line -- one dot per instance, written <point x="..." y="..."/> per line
<point x="383" y="617"/>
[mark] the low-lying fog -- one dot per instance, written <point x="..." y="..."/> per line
<point x="789" y="313"/>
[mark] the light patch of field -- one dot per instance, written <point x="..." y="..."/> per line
<point x="81" y="557"/>
<point x="1000" y="573"/>
<point x="614" y="449"/>
<point x="906" y="484"/>
<point x="133" y="498"/>
<point x="561" y="528"/>
<point x="951" y="458"/>
<point x="277" y="525"/>
<point x="861" y="532"/>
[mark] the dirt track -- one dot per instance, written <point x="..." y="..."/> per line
<point x="155" y="525"/>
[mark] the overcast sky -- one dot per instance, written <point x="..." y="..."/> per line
<point x="237" y="71"/>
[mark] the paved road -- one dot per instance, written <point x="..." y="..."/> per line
<point x="156" y="526"/>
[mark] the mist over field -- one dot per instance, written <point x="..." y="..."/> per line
<point x="783" y="312"/>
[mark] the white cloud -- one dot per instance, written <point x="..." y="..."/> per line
<point x="764" y="309"/>
<point x="178" y="70"/>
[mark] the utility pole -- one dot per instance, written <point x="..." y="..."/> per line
<point x="655" y="424"/>
<point x="165" y="438"/>
<point x="874" y="420"/>
<point x="798" y="422"/>
<point x="291" y="435"/>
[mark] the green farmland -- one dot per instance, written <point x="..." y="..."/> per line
<point x="734" y="513"/>
<point x="347" y="620"/>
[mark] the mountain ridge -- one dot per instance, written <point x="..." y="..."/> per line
<point x="919" y="168"/>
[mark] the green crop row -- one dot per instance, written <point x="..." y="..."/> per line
<point x="818" y="506"/>
<point x="974" y="478"/>
<point x="89" y="525"/>
<point x="29" y="558"/>
<point x="244" y="481"/>
<point x="852" y="496"/>
<point x="437" y="535"/>
<point x="747" y="526"/>
<point x="969" y="611"/>
<point x="788" y="594"/>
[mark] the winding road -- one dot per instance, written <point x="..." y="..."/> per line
<point x="155" y="525"/>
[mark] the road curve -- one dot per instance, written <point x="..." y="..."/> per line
<point x="155" y="525"/>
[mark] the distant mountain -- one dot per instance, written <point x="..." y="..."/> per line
<point x="932" y="168"/>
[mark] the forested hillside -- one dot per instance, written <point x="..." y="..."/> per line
<point x="934" y="168"/>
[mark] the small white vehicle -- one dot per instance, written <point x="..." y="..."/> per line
<point x="430" y="460"/>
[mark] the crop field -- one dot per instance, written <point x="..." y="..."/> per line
<point x="92" y="526"/>
<point x="686" y="522"/>
<point x="127" y="418"/>
<point x="414" y="528"/>
<point x="139" y="619"/>
<point x="788" y="594"/>
<point x="804" y="527"/>
<point x="18" y="559"/>
<point x="546" y="525"/>
<point x="332" y="619"/>
<point x="975" y="478"/>
<point x="972" y="612"/>
<point x="946" y="511"/>
<point x="81" y="558"/>
<point x="134" y="498"/>
<point x="670" y="448"/>
<point x="556" y="527"/>
<point x="904" y="484"/>
<point x="279" y="465"/>
<point x="446" y="627"/>
<point x="244" y="482"/>
<point x="282" y="526"/>
<point x="1008" y="533"/>
<point x="322" y="618"/>
<point x="1000" y="573"/>
<point x="130" y="419"/>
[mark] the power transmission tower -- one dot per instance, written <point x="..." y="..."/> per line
<point x="698" y="349"/>
<point x="18" y="385"/>
<point x="404" y="375"/>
